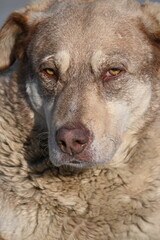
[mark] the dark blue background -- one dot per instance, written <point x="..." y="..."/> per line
<point x="7" y="6"/>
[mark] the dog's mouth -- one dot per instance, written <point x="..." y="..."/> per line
<point x="76" y="161"/>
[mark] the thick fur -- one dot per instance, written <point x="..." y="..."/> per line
<point x="110" y="191"/>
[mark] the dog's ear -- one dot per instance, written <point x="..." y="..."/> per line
<point x="17" y="28"/>
<point x="151" y="19"/>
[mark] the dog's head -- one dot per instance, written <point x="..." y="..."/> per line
<point x="90" y="69"/>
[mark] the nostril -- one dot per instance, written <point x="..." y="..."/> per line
<point x="78" y="142"/>
<point x="62" y="143"/>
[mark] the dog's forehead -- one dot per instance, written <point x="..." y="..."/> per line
<point x="80" y="29"/>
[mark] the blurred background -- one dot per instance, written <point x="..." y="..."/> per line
<point x="7" y="6"/>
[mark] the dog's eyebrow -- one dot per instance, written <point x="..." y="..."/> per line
<point x="99" y="58"/>
<point x="61" y="60"/>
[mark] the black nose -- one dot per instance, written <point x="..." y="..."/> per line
<point x="72" y="140"/>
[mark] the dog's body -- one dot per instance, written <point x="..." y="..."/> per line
<point x="87" y="80"/>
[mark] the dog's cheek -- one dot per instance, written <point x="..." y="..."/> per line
<point x="106" y="144"/>
<point x="141" y="96"/>
<point x="35" y="97"/>
<point x="107" y="120"/>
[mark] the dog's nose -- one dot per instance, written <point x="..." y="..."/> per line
<point x="72" y="140"/>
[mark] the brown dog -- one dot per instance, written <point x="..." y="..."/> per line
<point x="85" y="79"/>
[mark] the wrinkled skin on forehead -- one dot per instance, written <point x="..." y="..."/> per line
<point x="81" y="42"/>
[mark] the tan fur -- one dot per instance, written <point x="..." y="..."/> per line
<point x="111" y="190"/>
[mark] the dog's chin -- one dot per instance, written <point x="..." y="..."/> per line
<point x="76" y="161"/>
<point x="73" y="162"/>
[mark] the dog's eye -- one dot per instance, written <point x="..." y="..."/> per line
<point x="112" y="73"/>
<point x="48" y="72"/>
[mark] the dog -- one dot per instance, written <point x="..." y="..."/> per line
<point x="80" y="121"/>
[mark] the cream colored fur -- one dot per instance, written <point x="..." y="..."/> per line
<point x="118" y="199"/>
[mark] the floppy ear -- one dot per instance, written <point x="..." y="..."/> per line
<point x="16" y="29"/>
<point x="15" y="26"/>
<point x="151" y="19"/>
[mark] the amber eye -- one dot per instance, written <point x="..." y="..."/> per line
<point x="112" y="73"/>
<point x="48" y="72"/>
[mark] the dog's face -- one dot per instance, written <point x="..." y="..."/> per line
<point x="89" y="71"/>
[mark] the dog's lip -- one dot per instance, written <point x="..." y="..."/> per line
<point x="84" y="157"/>
<point x="75" y="164"/>
<point x="77" y="161"/>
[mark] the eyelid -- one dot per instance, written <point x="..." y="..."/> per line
<point x="114" y="70"/>
<point x="49" y="71"/>
<point x="48" y="64"/>
<point x="114" y="64"/>
<point x="108" y="76"/>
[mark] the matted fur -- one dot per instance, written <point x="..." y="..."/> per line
<point x="111" y="190"/>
